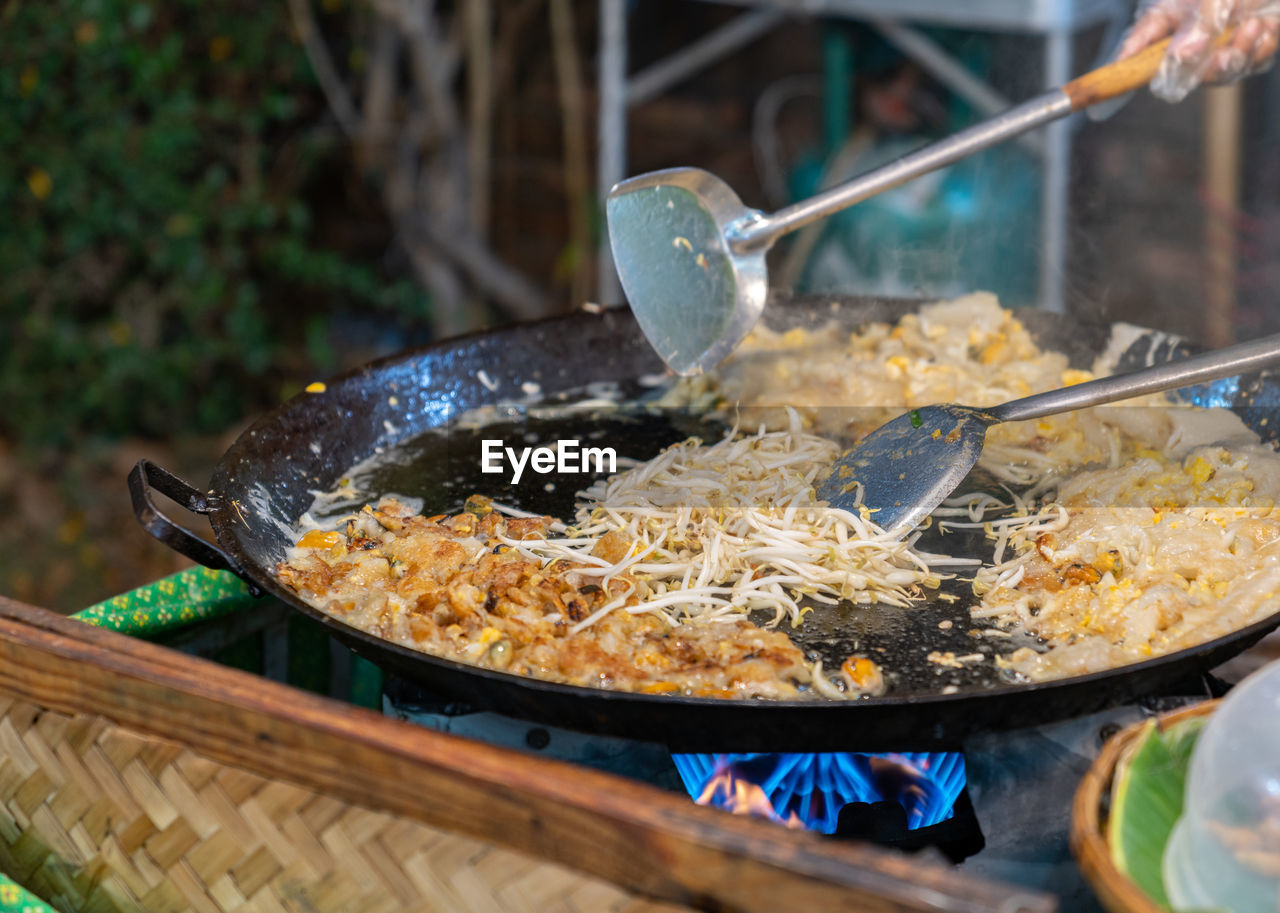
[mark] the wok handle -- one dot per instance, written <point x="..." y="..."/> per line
<point x="144" y="479"/>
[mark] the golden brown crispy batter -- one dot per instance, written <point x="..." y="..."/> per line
<point x="448" y="586"/>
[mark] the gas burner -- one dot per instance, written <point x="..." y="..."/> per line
<point x="1009" y="816"/>
<point x="909" y="800"/>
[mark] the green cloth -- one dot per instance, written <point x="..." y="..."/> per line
<point x="14" y="898"/>
<point x="196" y="594"/>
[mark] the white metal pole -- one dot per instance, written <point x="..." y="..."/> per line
<point x="612" y="136"/>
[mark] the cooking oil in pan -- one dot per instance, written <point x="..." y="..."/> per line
<point x="930" y="647"/>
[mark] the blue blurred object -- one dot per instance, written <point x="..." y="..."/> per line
<point x="814" y="787"/>
<point x="972" y="226"/>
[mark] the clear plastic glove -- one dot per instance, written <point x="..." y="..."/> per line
<point x="1196" y="54"/>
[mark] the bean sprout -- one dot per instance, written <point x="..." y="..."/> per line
<point x="723" y="529"/>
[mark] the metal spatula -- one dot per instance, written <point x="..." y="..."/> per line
<point x="691" y="256"/>
<point x="907" y="466"/>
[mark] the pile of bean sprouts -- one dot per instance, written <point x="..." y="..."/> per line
<point x="720" y="530"/>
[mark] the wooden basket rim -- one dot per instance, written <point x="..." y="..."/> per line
<point x="1117" y="892"/>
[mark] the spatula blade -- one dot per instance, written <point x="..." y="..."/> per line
<point x="909" y="465"/>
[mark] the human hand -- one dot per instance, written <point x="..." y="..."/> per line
<point x="1197" y="54"/>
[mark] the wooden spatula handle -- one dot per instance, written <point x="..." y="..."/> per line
<point x="1123" y="76"/>
<point x="1116" y="78"/>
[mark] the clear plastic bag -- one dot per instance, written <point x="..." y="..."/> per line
<point x="1224" y="853"/>
<point x="1198" y="52"/>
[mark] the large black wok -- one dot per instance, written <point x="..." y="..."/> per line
<point x="267" y="479"/>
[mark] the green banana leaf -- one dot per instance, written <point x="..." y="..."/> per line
<point x="1146" y="801"/>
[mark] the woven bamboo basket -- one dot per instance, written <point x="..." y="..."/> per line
<point x="97" y="817"/>
<point x="135" y="778"/>
<point x="1117" y="892"/>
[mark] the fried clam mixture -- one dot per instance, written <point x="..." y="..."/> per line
<point x="1151" y="557"/>
<point x="969" y="350"/>
<point x="452" y="586"/>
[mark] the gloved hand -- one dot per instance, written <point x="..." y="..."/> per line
<point x="1195" y="55"/>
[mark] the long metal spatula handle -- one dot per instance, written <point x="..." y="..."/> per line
<point x="1228" y="362"/>
<point x="1102" y="84"/>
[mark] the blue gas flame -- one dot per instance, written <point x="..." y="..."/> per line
<point x="814" y="787"/>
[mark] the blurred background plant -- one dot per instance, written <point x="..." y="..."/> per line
<point x="164" y="170"/>
<point x="193" y="231"/>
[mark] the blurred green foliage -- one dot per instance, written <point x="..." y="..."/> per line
<point x="163" y="172"/>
